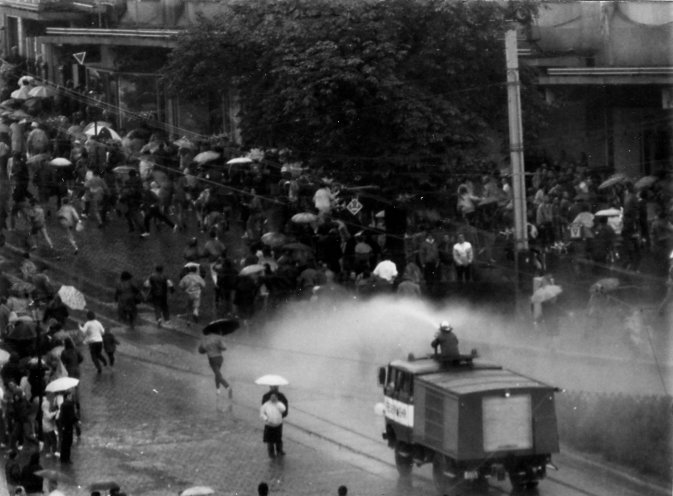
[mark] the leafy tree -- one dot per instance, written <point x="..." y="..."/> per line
<point x="344" y="83"/>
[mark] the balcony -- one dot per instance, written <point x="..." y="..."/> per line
<point x="50" y="10"/>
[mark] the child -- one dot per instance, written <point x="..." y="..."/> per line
<point x="110" y="343"/>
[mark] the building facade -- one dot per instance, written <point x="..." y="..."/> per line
<point x="605" y="64"/>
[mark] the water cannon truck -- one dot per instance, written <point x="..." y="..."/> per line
<point x="472" y="421"/>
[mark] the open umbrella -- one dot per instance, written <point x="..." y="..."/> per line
<point x="604" y="285"/>
<point x="22" y="332"/>
<point x="645" y="182"/>
<point x="20" y="114"/>
<point x="297" y="247"/>
<point x="4" y="357"/>
<point x="72" y="297"/>
<point x="386" y="270"/>
<point x="42" y="91"/>
<point x="222" y="327"/>
<point x="105" y="485"/>
<point x="585" y="218"/>
<point x="190" y="265"/>
<point x="184" y="142"/>
<point x="93" y="128"/>
<point x="61" y="384"/>
<point x="51" y="474"/>
<point x="206" y="156"/>
<point x="123" y="169"/>
<point x="252" y="269"/>
<point x="104" y="132"/>
<point x="37" y="158"/>
<point x="60" y="162"/>
<point x="546" y="293"/>
<point x="197" y="491"/>
<point x="239" y="161"/>
<point x="613" y="181"/>
<point x="274" y="239"/>
<point x="608" y="212"/>
<point x="304" y="218"/>
<point x="272" y="380"/>
<point x="22" y="287"/>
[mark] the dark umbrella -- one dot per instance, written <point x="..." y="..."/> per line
<point x="22" y="332"/>
<point x="222" y="327"/>
<point x="52" y="474"/>
<point x="107" y="485"/>
<point x="297" y="247"/>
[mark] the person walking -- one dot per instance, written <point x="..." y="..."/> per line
<point x="158" y="286"/>
<point x="272" y="413"/>
<point x="38" y="225"/>
<point x="127" y="296"/>
<point x="67" y="421"/>
<point x="110" y="343"/>
<point x="49" y="411"/>
<point x="463" y="257"/>
<point x="153" y="210"/>
<point x="69" y="219"/>
<point x="93" y="336"/>
<point x="193" y="284"/>
<point x="212" y="346"/>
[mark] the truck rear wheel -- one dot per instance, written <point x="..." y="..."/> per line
<point x="522" y="481"/>
<point x="403" y="460"/>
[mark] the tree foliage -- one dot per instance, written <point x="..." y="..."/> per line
<point x="340" y="81"/>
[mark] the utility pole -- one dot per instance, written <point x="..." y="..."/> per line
<point x="516" y="152"/>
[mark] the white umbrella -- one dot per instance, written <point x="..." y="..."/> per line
<point x="97" y="131"/>
<point x="72" y="297"/>
<point x="94" y="127"/>
<point x="206" y="156"/>
<point x="546" y="293"/>
<point x="304" y="218"/>
<point x="60" y="162"/>
<point x="239" y="161"/>
<point x="197" y="491"/>
<point x="272" y="380"/>
<point x="41" y="92"/>
<point x="608" y="212"/>
<point x="61" y="384"/>
<point x="386" y="270"/>
<point x="252" y="269"/>
<point x="4" y="357"/>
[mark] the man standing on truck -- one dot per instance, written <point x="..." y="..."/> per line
<point x="447" y="342"/>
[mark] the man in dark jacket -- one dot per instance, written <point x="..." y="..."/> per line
<point x="158" y="286"/>
<point x="67" y="421"/>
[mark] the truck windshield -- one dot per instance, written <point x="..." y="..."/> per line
<point x="400" y="384"/>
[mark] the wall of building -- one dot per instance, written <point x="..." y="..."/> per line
<point x="636" y="33"/>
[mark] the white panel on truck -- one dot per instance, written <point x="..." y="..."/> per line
<point x="507" y="422"/>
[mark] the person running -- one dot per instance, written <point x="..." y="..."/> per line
<point x="93" y="336"/>
<point x="212" y="346"/>
<point x="193" y="284"/>
<point x="68" y="218"/>
<point x="158" y="286"/>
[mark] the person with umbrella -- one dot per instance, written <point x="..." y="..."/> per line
<point x="274" y="390"/>
<point x="271" y="412"/>
<point x="212" y="346"/>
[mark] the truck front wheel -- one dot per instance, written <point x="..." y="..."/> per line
<point x="403" y="459"/>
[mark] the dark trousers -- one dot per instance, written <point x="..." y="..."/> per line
<point x="110" y="357"/>
<point x="66" y="444"/>
<point x="96" y="352"/>
<point x="463" y="273"/>
<point x="156" y="213"/>
<point x="216" y="364"/>
<point x="273" y="437"/>
<point x="160" y="306"/>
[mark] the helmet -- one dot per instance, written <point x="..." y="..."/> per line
<point x="445" y="326"/>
